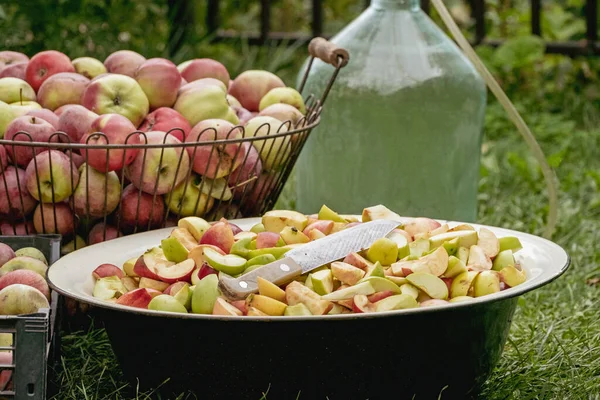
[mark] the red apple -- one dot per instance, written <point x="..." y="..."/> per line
<point x="205" y="270"/>
<point x="60" y="110"/>
<point x="46" y="115"/>
<point x="51" y="177"/>
<point x="251" y="167"/>
<point x="243" y="114"/>
<point x="11" y="57"/>
<point x="160" y="80"/>
<point x="166" y="120"/>
<point x="18" y="229"/>
<point x="15" y="200"/>
<point x="175" y="287"/>
<point x="45" y="64"/>
<point x="104" y="270"/>
<point x="62" y="89"/>
<point x="205" y="68"/>
<point x="139" y="298"/>
<point x="144" y="267"/>
<point x="6" y="253"/>
<point x="321" y="225"/>
<point x="219" y="235"/>
<point x="54" y="218"/>
<point x="97" y="233"/>
<point x="16" y="70"/>
<point x="97" y="194"/>
<point x="375" y="297"/>
<point x="234" y="228"/>
<point x="117" y="130"/>
<point x="224" y="158"/>
<point x="149" y="214"/>
<point x="258" y="191"/>
<point x="250" y="87"/>
<point x="39" y="131"/>
<point x="6" y="358"/>
<point x="266" y="239"/>
<point x="76" y="121"/>
<point x="124" y="62"/>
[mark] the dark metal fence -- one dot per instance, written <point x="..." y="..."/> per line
<point x="589" y="46"/>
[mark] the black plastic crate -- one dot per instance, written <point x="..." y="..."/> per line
<point x="35" y="343"/>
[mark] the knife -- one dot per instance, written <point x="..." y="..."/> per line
<point x="308" y="257"/>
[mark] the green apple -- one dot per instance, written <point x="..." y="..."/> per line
<point x="461" y="284"/>
<point x="24" y="262"/>
<point x="396" y="302"/>
<point x="195" y="225"/>
<point x="398" y="280"/>
<point x="512" y="276"/>
<point x="409" y="289"/>
<point x="285" y="95"/>
<point x="19" y="299"/>
<point x="14" y="90"/>
<point x="88" y="67"/>
<point x="228" y="263"/>
<point x="291" y="235"/>
<point x="487" y="282"/>
<point x="277" y="252"/>
<point x="381" y="284"/>
<point x="503" y="259"/>
<point x="164" y="302"/>
<point x="188" y="197"/>
<point x="174" y="250"/>
<point x="276" y="220"/>
<point x="258" y="228"/>
<point x="259" y="261"/>
<point x="384" y="251"/>
<point x="455" y="267"/>
<point x="364" y="288"/>
<point x="451" y="246"/>
<point x="326" y="213"/>
<point x="465" y="238"/>
<point x="205" y="295"/>
<point x="184" y="295"/>
<point x="463" y="254"/>
<point x="308" y="282"/>
<point x="322" y="282"/>
<point x="129" y="265"/>
<point x="241" y="247"/>
<point x="72" y="245"/>
<point x="419" y="247"/>
<point x="31" y="252"/>
<point x="510" y="243"/>
<point x="6" y="117"/>
<point x="380" y="212"/>
<point x="433" y="286"/>
<point x="346" y="273"/>
<point x="374" y="270"/>
<point x="108" y="288"/>
<point x="401" y="242"/>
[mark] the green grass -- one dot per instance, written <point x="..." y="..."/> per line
<point x="552" y="352"/>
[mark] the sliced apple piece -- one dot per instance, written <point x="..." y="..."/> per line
<point x="410" y="290"/>
<point x="466" y="238"/>
<point x="105" y="270"/>
<point x="461" y="227"/>
<point x="504" y="259"/>
<point x="195" y="225"/>
<point x="148" y="264"/>
<point x="510" y="243"/>
<point x="244" y="234"/>
<point x="339" y="226"/>
<point x="266" y="304"/>
<point x="308" y="282"/>
<point x="346" y="273"/>
<point x="316" y="234"/>
<point x="259" y="261"/>
<point x="205" y="295"/>
<point x="361" y="304"/>
<point x="322" y="281"/>
<point x="455" y="268"/>
<point x="451" y="246"/>
<point x="269" y="289"/>
<point x="347" y="293"/>
<point x="222" y="307"/>
<point x="379" y="212"/>
<point x="487" y="282"/>
<point x="374" y="270"/>
<point x="398" y="280"/>
<point x="295" y="293"/>
<point x="255" y="312"/>
<point x="129" y="265"/>
<point x="326" y="213"/>
<point x="184" y="237"/>
<point x="488" y="242"/>
<point x="176" y="272"/>
<point x="463" y="254"/>
<point x="459" y="299"/>
<point x="266" y="240"/>
<point x="436" y="262"/>
<point x="358" y="261"/>
<point x="198" y="253"/>
<point x="421" y="225"/>
<point x="512" y="276"/>
<point x="139" y="298"/>
<point x="257" y="228"/>
<point x="433" y="302"/>
<point x="430" y="284"/>
<point x="174" y="250"/>
<point x="164" y="302"/>
<point x="108" y="288"/>
<point x="276" y="252"/>
<point x="183" y="295"/>
<point x="324" y="227"/>
<point x="478" y="259"/>
<point x="462" y="283"/>
<point x="396" y="302"/>
<point x="419" y="247"/>
<point x="291" y="235"/>
<point x="384" y="251"/>
<point x="402" y="243"/>
<point x="375" y="297"/>
<point x="228" y="263"/>
<point x="241" y="247"/>
<point x="276" y="220"/>
<point x="380" y="284"/>
<point x="149" y="283"/>
<point x="337" y="309"/>
<point x="129" y="283"/>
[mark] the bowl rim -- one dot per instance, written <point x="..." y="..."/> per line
<point x="543" y="279"/>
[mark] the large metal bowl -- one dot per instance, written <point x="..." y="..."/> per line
<point x="395" y="354"/>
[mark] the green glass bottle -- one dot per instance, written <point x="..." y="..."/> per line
<point x="402" y="125"/>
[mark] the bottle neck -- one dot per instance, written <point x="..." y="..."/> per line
<point x="395" y="4"/>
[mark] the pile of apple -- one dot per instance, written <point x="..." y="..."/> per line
<point x="421" y="263"/>
<point x="195" y="102"/>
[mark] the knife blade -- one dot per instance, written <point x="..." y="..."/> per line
<point x="308" y="257"/>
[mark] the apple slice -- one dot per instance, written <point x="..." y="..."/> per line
<point x="346" y="273"/>
<point x="147" y="264"/>
<point x="379" y="212"/>
<point x="269" y="289"/>
<point x="266" y="240"/>
<point x="396" y="302"/>
<point x="402" y="243"/>
<point x="419" y="247"/>
<point x="462" y="227"/>
<point x="185" y="238"/>
<point x="200" y="272"/>
<point x="195" y="225"/>
<point x="324" y="227"/>
<point x="183" y="295"/>
<point x="198" y="253"/>
<point x="488" y="242"/>
<point x="244" y="235"/>
<point x="240" y="305"/>
<point x="105" y="270"/>
<point x="463" y="254"/>
<point x="164" y="302"/>
<point x="433" y="302"/>
<point x="149" y="283"/>
<point x="241" y="247"/>
<point x="503" y="260"/>
<point x="398" y="280"/>
<point x="384" y="251"/>
<point x="322" y="281"/>
<point x="259" y="261"/>
<point x="374" y="270"/>
<point x="129" y="283"/>
<point x="375" y="297"/>
<point x="173" y="249"/>
<point x="451" y="246"/>
<point x="228" y="263"/>
<point x="205" y="295"/>
<point x="316" y="234"/>
<point x="222" y="307"/>
<point x="108" y="288"/>
<point x="421" y="225"/>
<point x="343" y="294"/>
<point x="410" y="290"/>
<point x="326" y="213"/>
<point x="466" y="238"/>
<point x="276" y="252"/>
<point x="139" y="298"/>
<point x="430" y="284"/>
<point x="291" y="235"/>
<point x="308" y="282"/>
<point x="177" y="272"/>
<point x="459" y="299"/>
<point x="295" y="293"/>
<point x="258" y="228"/>
<point x="361" y="304"/>
<point x="276" y="220"/>
<point x="255" y="312"/>
<point x="487" y="282"/>
<point x="358" y="261"/>
<point x="380" y="284"/>
<point x="461" y="284"/>
<point x="478" y="259"/>
<point x="128" y="267"/>
<point x="512" y="276"/>
<point x="266" y="304"/>
<point x="220" y="235"/>
<point x="455" y="268"/>
<point x="510" y="243"/>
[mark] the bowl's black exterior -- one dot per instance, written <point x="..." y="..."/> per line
<point x="449" y="350"/>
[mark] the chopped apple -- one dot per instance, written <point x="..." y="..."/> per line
<point x="396" y="302"/>
<point x="379" y="212"/>
<point x="240" y="305"/>
<point x="421" y="225"/>
<point x="374" y="270"/>
<point x="380" y="284"/>
<point x="347" y="293"/>
<point x="149" y="283"/>
<point x="384" y="251"/>
<point x="398" y="280"/>
<point x="436" y="262"/>
<point x="455" y="268"/>
<point x="463" y="254"/>
<point x="129" y="265"/>
<point x="153" y="292"/>
<point x="459" y="299"/>
<point x="326" y="213"/>
<point x="295" y="293"/>
<point x="308" y="282"/>
<point x="503" y="259"/>
<point x="410" y="290"/>
<point x="322" y="281"/>
<point x="375" y="297"/>
<point x="266" y="304"/>
<point x="488" y="242"/>
<point x="451" y="246"/>
<point x="108" y="288"/>
<point x="145" y="265"/>
<point x="462" y="283"/>
<point x="337" y="309"/>
<point x="139" y="298"/>
<point x="430" y="284"/>
<point x="259" y="261"/>
<point x="184" y="237"/>
<point x="195" y="225"/>
<point x="255" y="312"/>
<point x="512" y="276"/>
<point x="177" y="272"/>
<point x="244" y="234"/>
<point x="433" y="302"/>
<point x="358" y="261"/>
<point x="462" y="227"/>
<point x="361" y="304"/>
<point x="510" y="243"/>
<point x="104" y="270"/>
<point x="241" y="247"/>
<point x="276" y="252"/>
<point x="487" y="282"/>
<point x="266" y="240"/>
<point x="276" y="220"/>
<point x="205" y="295"/>
<point x="419" y="247"/>
<point x="346" y="273"/>
<point x="478" y="259"/>
<point x="183" y="295"/>
<point x="173" y="249"/>
<point x="257" y="228"/>
<point x="402" y="243"/>
<point x="129" y="283"/>
<point x="466" y="238"/>
<point x="269" y="289"/>
<point x="164" y="302"/>
<point x="316" y="234"/>
<point x="291" y="235"/>
<point x="324" y="227"/>
<point x="228" y="263"/>
<point x="222" y="307"/>
<point x="198" y="253"/>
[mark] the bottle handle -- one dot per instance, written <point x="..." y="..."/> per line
<point x="328" y="52"/>
<point x="512" y="112"/>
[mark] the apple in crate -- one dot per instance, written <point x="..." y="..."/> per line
<point x="89" y="67"/>
<point x="273" y="152"/>
<point x="117" y="130"/>
<point x="167" y="120"/>
<point x="97" y="233"/>
<point x="118" y="94"/>
<point x="139" y="298"/>
<point x="6" y="253"/>
<point x="104" y="270"/>
<point x="54" y="218"/>
<point x="199" y="102"/>
<point x="76" y="121"/>
<point x="21" y="299"/>
<point x="26" y="277"/>
<point x="16" y="70"/>
<point x="38" y="131"/>
<point x="6" y="117"/>
<point x="24" y="262"/>
<point x="124" y="62"/>
<point x="46" y="115"/>
<point x="199" y="68"/>
<point x="282" y="112"/>
<point x="21" y="108"/>
<point x="160" y="81"/>
<point x="250" y="87"/>
<point x="250" y="167"/>
<point x="285" y="95"/>
<point x="141" y="210"/>
<point x="51" y="177"/>
<point x="14" y="90"/>
<point x="62" y="88"/>
<point x="159" y="170"/>
<point x="45" y="64"/>
<point x="3" y="157"/>
<point x="14" y="200"/>
<point x="94" y="190"/>
<point x="186" y="200"/>
<point x="215" y="161"/>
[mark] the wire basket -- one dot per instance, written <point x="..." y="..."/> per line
<point x="99" y="190"/>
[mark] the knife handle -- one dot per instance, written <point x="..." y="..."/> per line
<point x="277" y="272"/>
